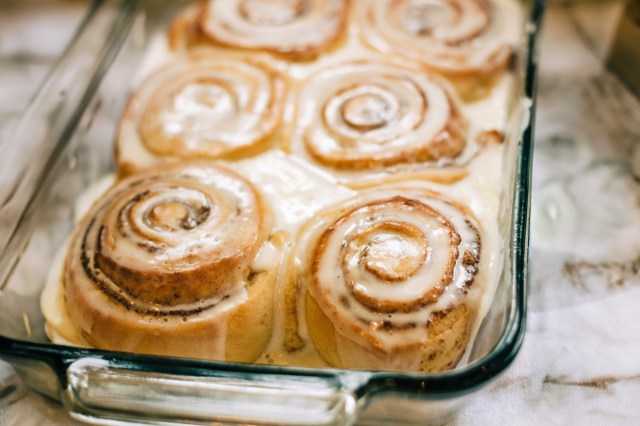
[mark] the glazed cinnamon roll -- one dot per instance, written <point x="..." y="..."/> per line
<point x="465" y="40"/>
<point x="374" y="115"/>
<point x="177" y="260"/>
<point x="384" y="278"/>
<point x="294" y="29"/>
<point x="201" y="106"/>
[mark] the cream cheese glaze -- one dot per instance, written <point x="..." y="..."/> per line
<point x="297" y="187"/>
<point x="306" y="191"/>
<point x="487" y="113"/>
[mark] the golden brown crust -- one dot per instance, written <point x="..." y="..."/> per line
<point x="243" y="332"/>
<point x="323" y="333"/>
<point x="490" y="137"/>
<point x="472" y="87"/>
<point x="249" y="329"/>
<point x="448" y="334"/>
<point x="292" y="339"/>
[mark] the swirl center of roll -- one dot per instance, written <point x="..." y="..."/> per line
<point x="272" y="12"/>
<point x="368" y="107"/>
<point x="207" y="99"/>
<point x="393" y="251"/>
<point x="164" y="210"/>
<point x="173" y="216"/>
<point x="169" y="216"/>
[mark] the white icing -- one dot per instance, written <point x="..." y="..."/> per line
<point x="294" y="189"/>
<point x="264" y="28"/>
<point x="200" y="105"/>
<point x="417" y="107"/>
<point x="472" y="42"/>
<point x="267" y="256"/>
<point x="305" y="192"/>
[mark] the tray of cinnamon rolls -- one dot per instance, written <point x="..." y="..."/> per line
<point x="280" y="211"/>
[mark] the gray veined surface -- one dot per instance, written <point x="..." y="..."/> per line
<point x="585" y="214"/>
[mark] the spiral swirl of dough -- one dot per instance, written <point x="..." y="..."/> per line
<point x="369" y="115"/>
<point x="202" y="107"/>
<point x="456" y="38"/>
<point x="166" y="256"/>
<point x="296" y="29"/>
<point x="384" y="273"/>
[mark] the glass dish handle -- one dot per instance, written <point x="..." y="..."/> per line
<point x="101" y="391"/>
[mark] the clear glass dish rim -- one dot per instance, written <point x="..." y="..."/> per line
<point x="449" y="384"/>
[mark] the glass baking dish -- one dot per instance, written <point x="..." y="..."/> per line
<point x="64" y="143"/>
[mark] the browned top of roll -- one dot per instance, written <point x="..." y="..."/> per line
<point x="169" y="238"/>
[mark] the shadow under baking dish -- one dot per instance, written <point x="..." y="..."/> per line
<point x="70" y="125"/>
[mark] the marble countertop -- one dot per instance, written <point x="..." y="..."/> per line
<point x="579" y="363"/>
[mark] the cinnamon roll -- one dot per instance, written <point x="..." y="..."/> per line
<point x="293" y="29"/>
<point x="178" y="260"/>
<point x="375" y="116"/>
<point x="202" y="106"/>
<point x="467" y="41"/>
<point x="384" y="278"/>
